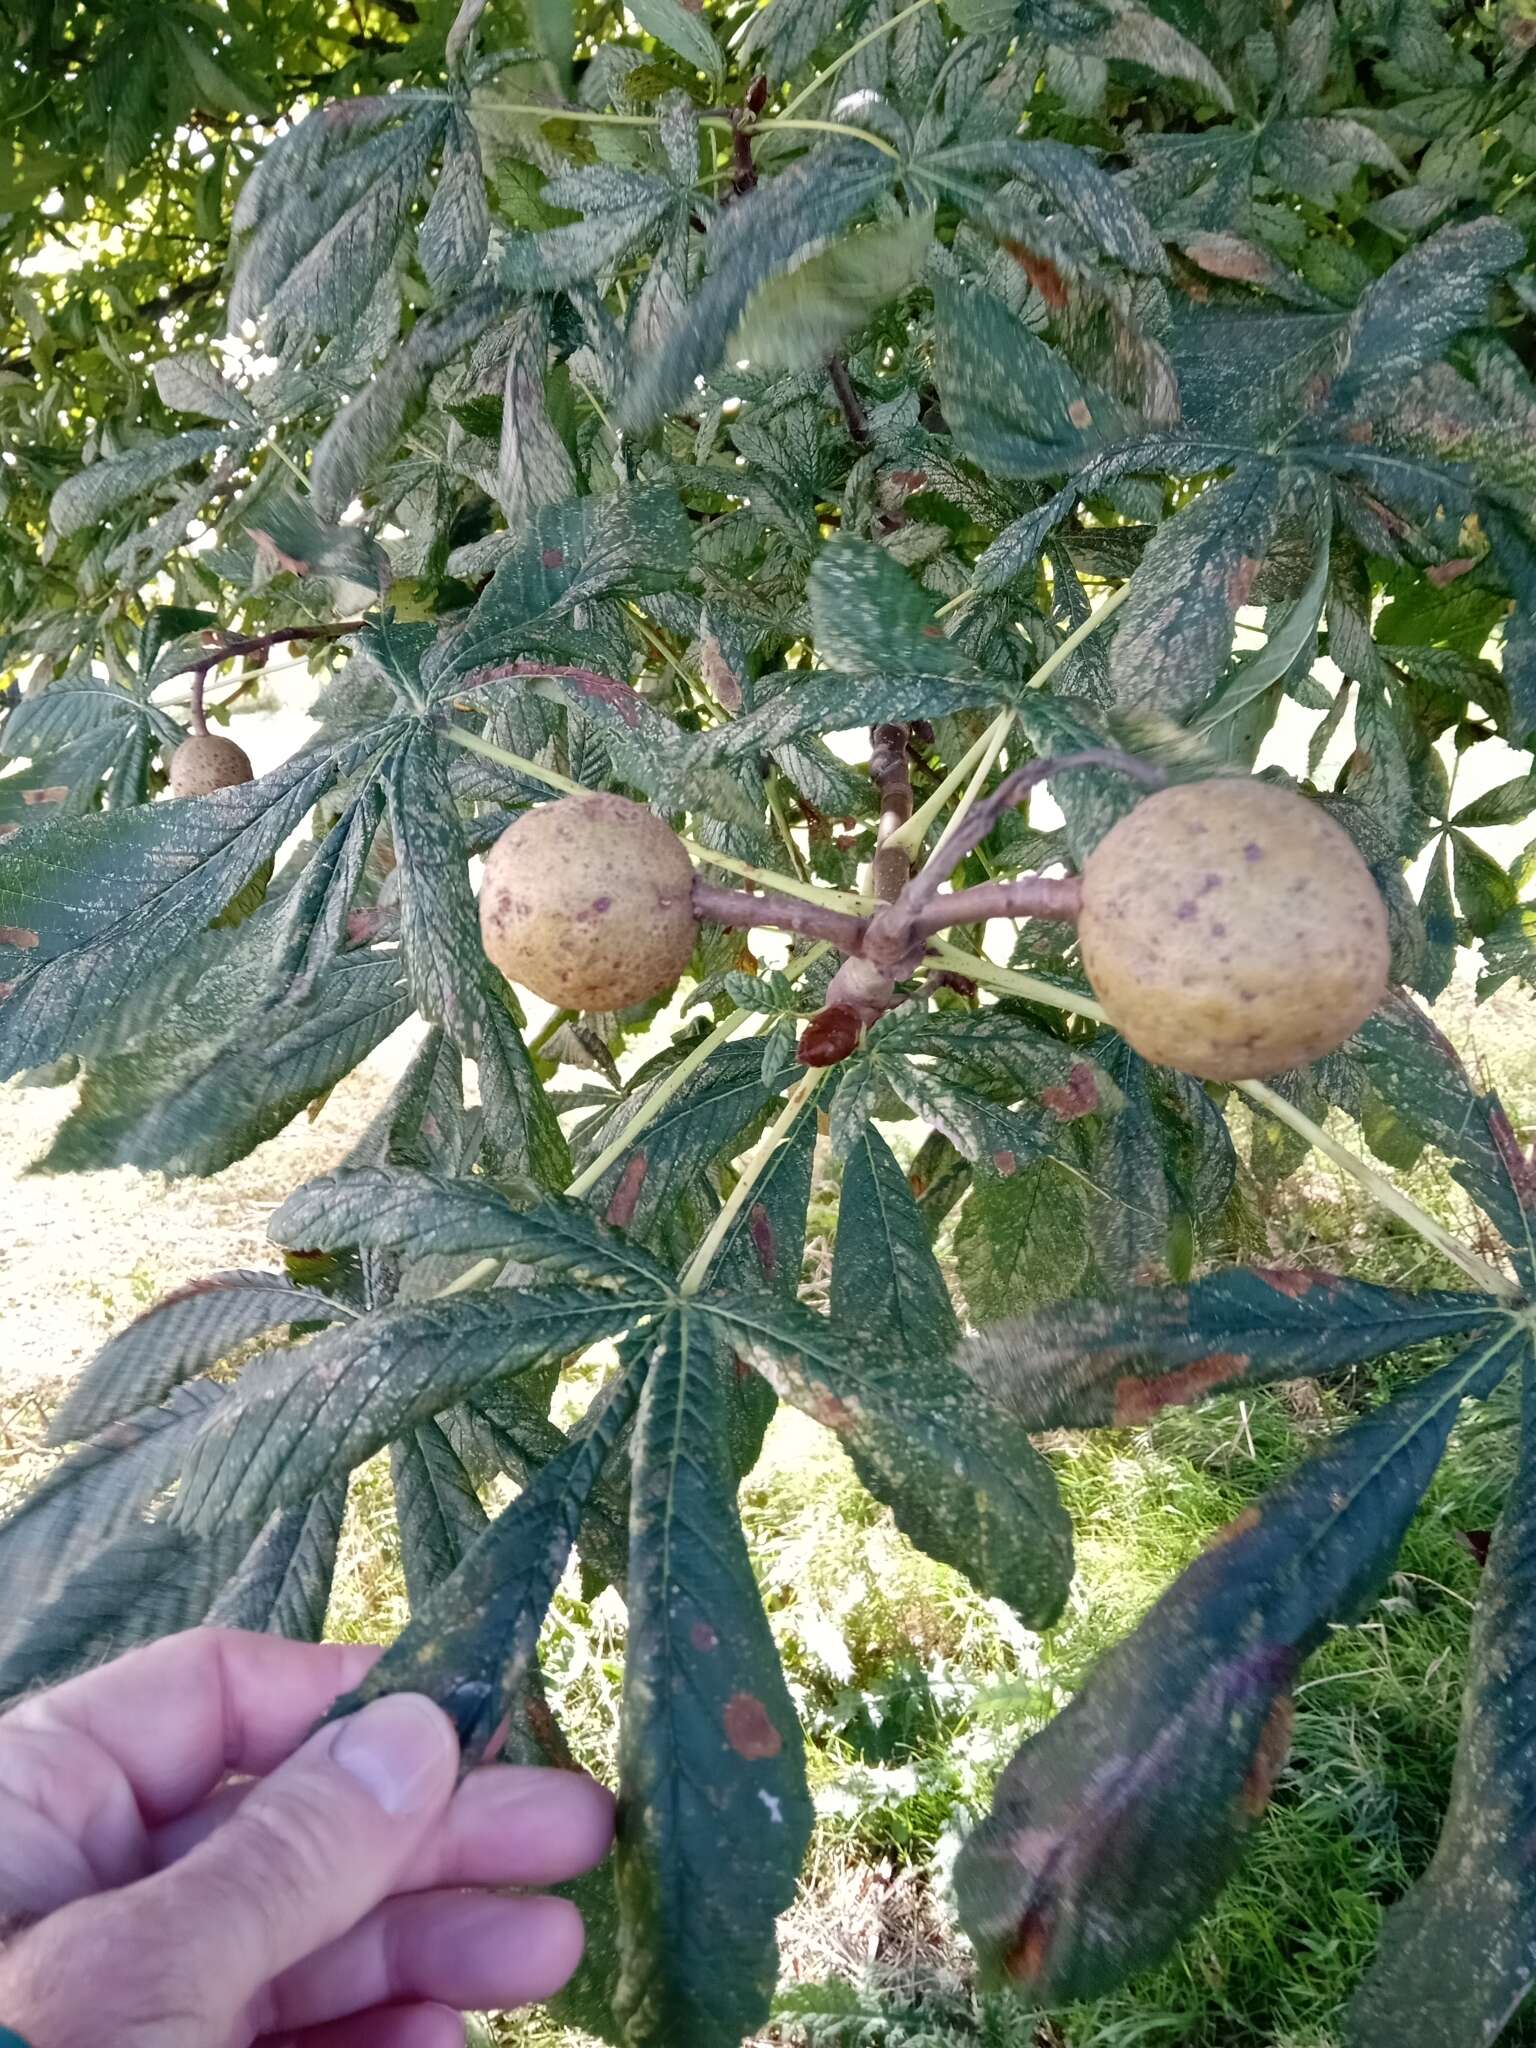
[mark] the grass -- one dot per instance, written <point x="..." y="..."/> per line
<point x="914" y="1691"/>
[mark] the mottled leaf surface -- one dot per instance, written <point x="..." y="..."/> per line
<point x="1114" y="1827"/>
<point x="711" y="1767"/>
<point x="1084" y="1364"/>
<point x="298" y="1418"/>
<point x="962" y="1480"/>
<point x="1458" y="1955"/>
<point x="182" y="1334"/>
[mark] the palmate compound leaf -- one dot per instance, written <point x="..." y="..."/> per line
<point x="94" y="905"/>
<point x="182" y="1334"/>
<point x="471" y="1644"/>
<point x="963" y="1481"/>
<point x="1113" y="1829"/>
<point x="1088" y="1364"/>
<point x="395" y="1208"/>
<point x="1458" y="1954"/>
<point x="711" y="1765"/>
<point x="298" y="1418"/>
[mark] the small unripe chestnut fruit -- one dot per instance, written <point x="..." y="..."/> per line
<point x="588" y="902"/>
<point x="207" y="762"/>
<point x="1231" y="929"/>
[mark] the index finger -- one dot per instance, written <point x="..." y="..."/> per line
<point x="179" y="1715"/>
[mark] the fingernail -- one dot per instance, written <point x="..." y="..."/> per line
<point x="396" y="1748"/>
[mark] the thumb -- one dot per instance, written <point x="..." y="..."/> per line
<point x="176" y="1959"/>
<point x="313" y="1847"/>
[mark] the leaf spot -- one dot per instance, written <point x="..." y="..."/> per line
<point x="1138" y="1400"/>
<point x="703" y="1637"/>
<point x="626" y="1196"/>
<point x="748" y="1729"/>
<point x="1080" y="414"/>
<point x="1077" y="1096"/>
<point x="1239" y="1525"/>
<point x="17" y="935"/>
<point x="1274" y="1746"/>
<point x="1006" y="1163"/>
<point x="54" y="793"/>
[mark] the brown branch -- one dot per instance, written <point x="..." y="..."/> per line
<point x="849" y="402"/>
<point x="890" y="772"/>
<point x="1027" y="896"/>
<point x="236" y="649"/>
<point x="741" y="911"/>
<point x="982" y="816"/>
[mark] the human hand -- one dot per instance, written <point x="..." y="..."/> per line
<point x="322" y="1904"/>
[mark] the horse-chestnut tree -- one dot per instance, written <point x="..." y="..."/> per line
<point x="613" y="410"/>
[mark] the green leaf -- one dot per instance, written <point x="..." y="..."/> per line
<point x="439" y="928"/>
<point x="1174" y="637"/>
<point x="1456" y="1958"/>
<point x="395" y="1208"/>
<point x="534" y="466"/>
<point x="1113" y="1828"/>
<point x="1022" y="1241"/>
<point x="1013" y="404"/>
<point x="797" y="320"/>
<point x="182" y="1334"/>
<point x="190" y="383"/>
<point x="283" y="1585"/>
<point x="95" y="1494"/>
<point x="870" y="614"/>
<point x="748" y="243"/>
<point x="437" y="1508"/>
<point x="1484" y="890"/>
<point x="885" y="1278"/>
<point x="1438" y="910"/>
<point x="108" y="898"/>
<point x="714" y="1107"/>
<point x="456" y="229"/>
<point x="363" y="433"/>
<point x="149" y="1581"/>
<point x="963" y="1481"/>
<point x="86" y="498"/>
<point x="1091" y="1364"/>
<point x="684" y="31"/>
<point x="323" y="216"/>
<point x="1138" y="36"/>
<point x="1416" y="1068"/>
<point x="1411" y="315"/>
<point x="471" y="1643"/>
<point x="299" y="1418"/>
<point x="207" y="1088"/>
<point x="711" y="1769"/>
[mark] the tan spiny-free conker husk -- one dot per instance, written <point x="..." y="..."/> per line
<point x="588" y="903"/>
<point x="1231" y="929"/>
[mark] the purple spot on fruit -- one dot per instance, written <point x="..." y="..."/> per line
<point x="600" y="904"/>
<point x="1185" y="911"/>
<point x="1218" y="931"/>
<point x="1253" y="851"/>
